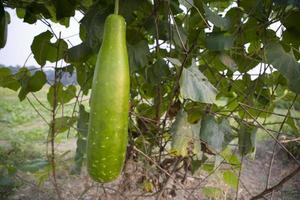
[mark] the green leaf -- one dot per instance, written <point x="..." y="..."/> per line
<point x="62" y="95"/>
<point x="79" y="53"/>
<point x="291" y="21"/>
<point x="228" y="61"/>
<point x="41" y="47"/>
<point x="92" y="24"/>
<point x="222" y="22"/>
<point x="6" y="181"/>
<point x="44" y="50"/>
<point x="195" y="86"/>
<point x="230" y="157"/>
<point x="293" y="122"/>
<point x="230" y="179"/>
<point x="196" y="164"/>
<point x="63" y="123"/>
<point x="8" y="80"/>
<point x="288" y="2"/>
<point x="185" y="136"/>
<point x="174" y="61"/>
<point x="187" y="3"/>
<point x="212" y="192"/>
<point x="31" y="83"/>
<point x="215" y="135"/>
<point x="84" y="75"/>
<point x="138" y="55"/>
<point x="157" y="72"/>
<point x="37" y="81"/>
<point x="247" y="136"/>
<point x="34" y="165"/>
<point x="219" y="41"/>
<point x="82" y="127"/>
<point x="35" y="11"/>
<point x="60" y="48"/>
<point x="285" y="63"/>
<point x="20" y="12"/>
<point x="64" y="8"/>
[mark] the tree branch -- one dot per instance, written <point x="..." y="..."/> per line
<point x="278" y="185"/>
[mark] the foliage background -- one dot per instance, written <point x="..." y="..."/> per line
<point x="195" y="102"/>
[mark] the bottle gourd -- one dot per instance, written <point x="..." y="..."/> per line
<point x="3" y="26"/>
<point x="108" y="123"/>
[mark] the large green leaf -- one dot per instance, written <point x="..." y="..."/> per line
<point x="291" y="21"/>
<point x="41" y="47"/>
<point x="219" y="41"/>
<point x="138" y="55"/>
<point x="185" y="136"/>
<point x="8" y="80"/>
<point x="62" y="95"/>
<point x="35" y="10"/>
<point x="195" y="86"/>
<point x="62" y="124"/>
<point x="34" y="165"/>
<point x="84" y="77"/>
<point x="37" y="81"/>
<point x="82" y="128"/>
<point x="228" y="61"/>
<point x="285" y="63"/>
<point x="79" y="53"/>
<point x="64" y="8"/>
<point x="44" y="50"/>
<point x="157" y="72"/>
<point x="92" y="24"/>
<point x="187" y="3"/>
<point x="215" y="134"/>
<point x="230" y="179"/>
<point x="212" y="192"/>
<point x="288" y="2"/>
<point x="222" y="22"/>
<point x="30" y="83"/>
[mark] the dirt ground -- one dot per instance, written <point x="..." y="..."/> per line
<point x="130" y="186"/>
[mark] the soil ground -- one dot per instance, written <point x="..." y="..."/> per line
<point x="253" y="181"/>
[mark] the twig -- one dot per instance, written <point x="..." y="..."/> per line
<point x="157" y="165"/>
<point x="159" y="196"/>
<point x="278" y="185"/>
<point x="52" y="127"/>
<point x="267" y="131"/>
<point x="268" y="112"/>
<point x="239" y="177"/>
<point x="290" y="140"/>
<point x="37" y="111"/>
<point x="37" y="99"/>
<point x="275" y="144"/>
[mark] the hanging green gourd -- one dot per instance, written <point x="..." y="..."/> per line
<point x="3" y="26"/>
<point x="108" y="124"/>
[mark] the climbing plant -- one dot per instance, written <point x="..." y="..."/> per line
<point x="205" y="77"/>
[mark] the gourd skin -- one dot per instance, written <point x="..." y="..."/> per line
<point x="108" y="125"/>
<point x="3" y="26"/>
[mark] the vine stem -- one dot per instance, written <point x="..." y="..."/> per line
<point x="116" y="7"/>
<point x="52" y="128"/>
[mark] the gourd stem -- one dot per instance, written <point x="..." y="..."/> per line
<point x="116" y="7"/>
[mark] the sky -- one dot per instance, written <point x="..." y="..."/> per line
<point x="20" y="36"/>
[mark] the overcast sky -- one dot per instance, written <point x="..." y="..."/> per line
<point x="20" y="36"/>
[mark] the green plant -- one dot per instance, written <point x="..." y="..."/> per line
<point x="205" y="76"/>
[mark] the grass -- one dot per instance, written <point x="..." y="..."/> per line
<point x="19" y="121"/>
